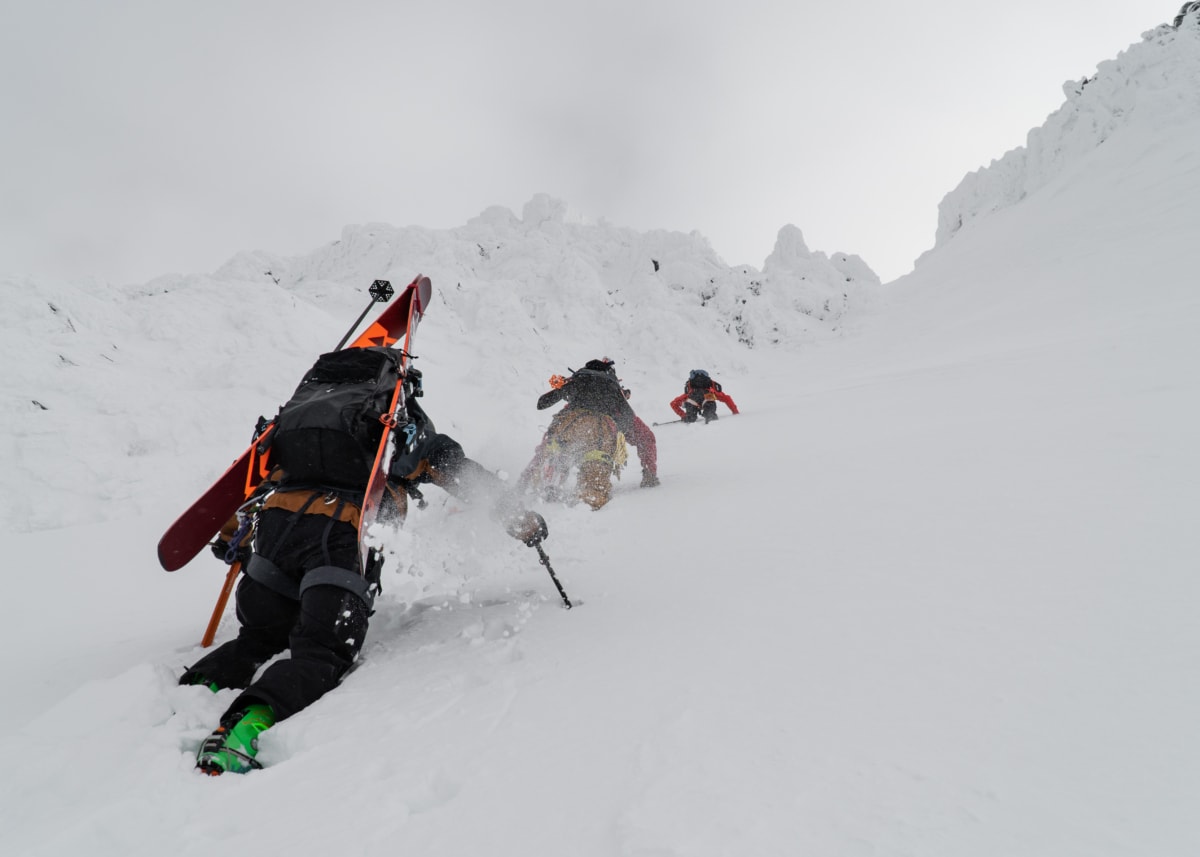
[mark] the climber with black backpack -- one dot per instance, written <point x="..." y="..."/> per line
<point x="306" y="588"/>
<point x="699" y="398"/>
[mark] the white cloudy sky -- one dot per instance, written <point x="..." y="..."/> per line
<point x="141" y="137"/>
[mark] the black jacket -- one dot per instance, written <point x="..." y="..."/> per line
<point x="594" y="391"/>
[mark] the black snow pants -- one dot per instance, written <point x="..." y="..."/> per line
<point x="708" y="410"/>
<point x="303" y="592"/>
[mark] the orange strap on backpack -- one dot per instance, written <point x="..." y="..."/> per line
<point x="556" y="381"/>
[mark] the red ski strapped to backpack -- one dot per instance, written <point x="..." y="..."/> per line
<point x="201" y="521"/>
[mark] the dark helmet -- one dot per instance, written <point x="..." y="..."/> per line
<point x="604" y="364"/>
<point x="697" y="373"/>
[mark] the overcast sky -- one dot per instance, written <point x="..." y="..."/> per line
<point x="143" y="137"/>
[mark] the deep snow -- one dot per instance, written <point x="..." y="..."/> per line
<point x="932" y="593"/>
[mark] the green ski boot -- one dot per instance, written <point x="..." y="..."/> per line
<point x="234" y="745"/>
<point x="191" y="679"/>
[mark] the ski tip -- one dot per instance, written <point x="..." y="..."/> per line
<point x="424" y="291"/>
<point x="169" y="560"/>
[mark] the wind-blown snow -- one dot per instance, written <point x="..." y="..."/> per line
<point x="932" y="593"/>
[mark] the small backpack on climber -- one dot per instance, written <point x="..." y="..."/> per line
<point x="700" y="380"/>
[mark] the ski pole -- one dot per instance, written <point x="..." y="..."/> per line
<point x="211" y="631"/>
<point x="668" y="422"/>
<point x="235" y="565"/>
<point x="381" y="292"/>
<point x="545" y="560"/>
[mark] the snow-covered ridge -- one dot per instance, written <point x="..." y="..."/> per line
<point x="185" y="363"/>
<point x="557" y="270"/>
<point x="1154" y="81"/>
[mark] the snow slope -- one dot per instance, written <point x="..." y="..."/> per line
<point x="932" y="593"/>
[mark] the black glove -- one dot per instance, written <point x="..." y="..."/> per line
<point x="527" y="527"/>
<point x="220" y="549"/>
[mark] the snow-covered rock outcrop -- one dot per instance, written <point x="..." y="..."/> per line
<point x="1154" y="81"/>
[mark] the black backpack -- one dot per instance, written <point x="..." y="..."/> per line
<point x="699" y="381"/>
<point x="328" y="433"/>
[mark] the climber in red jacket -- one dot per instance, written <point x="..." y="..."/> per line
<point x="700" y="396"/>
